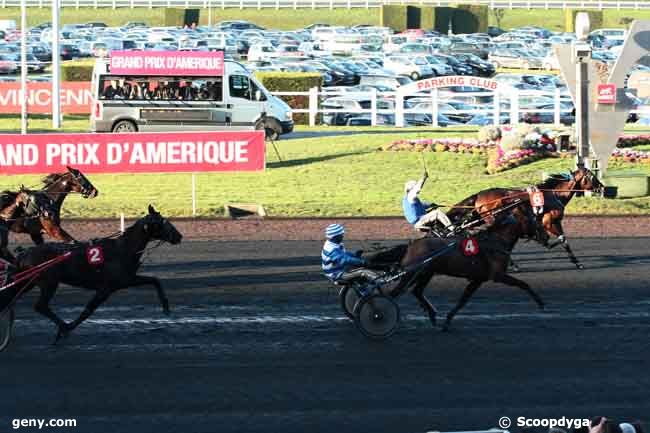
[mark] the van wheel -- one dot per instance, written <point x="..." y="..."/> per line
<point x="415" y="76"/>
<point x="272" y="129"/>
<point x="125" y="126"/>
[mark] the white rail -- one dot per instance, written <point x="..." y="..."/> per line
<point x="331" y="4"/>
<point x="504" y="106"/>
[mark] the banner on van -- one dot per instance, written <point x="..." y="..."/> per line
<point x="76" y="98"/>
<point x="189" y="63"/>
<point x="133" y="153"/>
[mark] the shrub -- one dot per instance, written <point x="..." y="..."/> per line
<point x="81" y="70"/>
<point x="394" y="16"/>
<point x="470" y="19"/>
<point x="291" y="82"/>
<point x="442" y="16"/>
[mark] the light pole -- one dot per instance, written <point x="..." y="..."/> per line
<point x="23" y="66"/>
<point x="56" y="67"/>
<point x="581" y="58"/>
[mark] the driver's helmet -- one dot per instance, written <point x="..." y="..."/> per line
<point x="334" y="230"/>
<point x="410" y="185"/>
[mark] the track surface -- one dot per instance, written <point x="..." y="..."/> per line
<point x="256" y="342"/>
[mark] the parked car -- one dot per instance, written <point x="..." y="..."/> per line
<point x="468" y="47"/>
<point x="480" y="67"/>
<point x="413" y="67"/>
<point x="513" y="58"/>
<point x="8" y="65"/>
<point x="69" y="52"/>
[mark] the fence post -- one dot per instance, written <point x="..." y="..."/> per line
<point x="496" y="113"/>
<point x="313" y="105"/>
<point x="122" y="222"/>
<point x="373" y="107"/>
<point x="514" y="107"/>
<point x="434" y="108"/>
<point x="259" y="4"/>
<point x="556" y="108"/>
<point x="399" y="109"/>
<point x="193" y="194"/>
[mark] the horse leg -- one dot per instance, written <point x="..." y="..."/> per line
<point x="513" y="266"/>
<point x="37" y="237"/>
<point x="467" y="294"/>
<point x="42" y="306"/>
<point x="512" y="281"/>
<point x="418" y="292"/>
<point x="143" y="281"/>
<point x="100" y="297"/>
<point x="561" y="240"/>
<point x="4" y="245"/>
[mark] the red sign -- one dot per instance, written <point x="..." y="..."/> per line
<point x="76" y="98"/>
<point x="607" y="93"/>
<point x="133" y="153"/>
<point x="470" y="247"/>
<point x="179" y="63"/>
<point x="95" y="255"/>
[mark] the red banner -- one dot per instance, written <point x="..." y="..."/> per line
<point x="133" y="153"/>
<point x="178" y="63"/>
<point x="76" y="98"/>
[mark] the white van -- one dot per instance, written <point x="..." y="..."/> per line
<point x="184" y="103"/>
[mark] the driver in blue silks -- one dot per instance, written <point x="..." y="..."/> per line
<point x="418" y="213"/>
<point x="340" y="265"/>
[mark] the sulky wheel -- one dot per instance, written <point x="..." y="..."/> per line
<point x="6" y="328"/>
<point x="377" y="316"/>
<point x="348" y="298"/>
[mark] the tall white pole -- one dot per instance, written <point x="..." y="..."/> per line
<point x="23" y="66"/>
<point x="56" y="67"/>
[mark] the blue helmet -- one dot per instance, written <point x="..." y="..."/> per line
<point x="334" y="230"/>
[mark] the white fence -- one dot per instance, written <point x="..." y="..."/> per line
<point x="509" y="107"/>
<point x="331" y="4"/>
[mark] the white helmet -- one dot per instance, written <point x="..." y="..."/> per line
<point x="410" y="185"/>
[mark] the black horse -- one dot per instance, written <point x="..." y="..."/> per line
<point x="105" y="266"/>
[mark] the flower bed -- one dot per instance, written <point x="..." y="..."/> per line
<point x="456" y="145"/>
<point x="498" y="162"/>
<point x="630" y="155"/>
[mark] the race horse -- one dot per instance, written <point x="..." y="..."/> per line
<point x="480" y="258"/>
<point x="105" y="266"/>
<point x="49" y="201"/>
<point x="11" y="206"/>
<point x="557" y="190"/>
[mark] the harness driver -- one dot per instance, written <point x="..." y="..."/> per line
<point x="422" y="215"/>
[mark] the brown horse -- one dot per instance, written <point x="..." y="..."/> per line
<point x="50" y="198"/>
<point x="11" y="206"/>
<point x="490" y="263"/>
<point x="117" y="269"/>
<point x="558" y="191"/>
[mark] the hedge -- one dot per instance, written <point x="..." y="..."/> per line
<point x="80" y="70"/>
<point x="291" y="82"/>
<point x="470" y="19"/>
<point x="394" y="16"/>
<point x="181" y="17"/>
<point x="595" y="19"/>
<point x="442" y="16"/>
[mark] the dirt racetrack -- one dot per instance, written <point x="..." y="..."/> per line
<point x="256" y="342"/>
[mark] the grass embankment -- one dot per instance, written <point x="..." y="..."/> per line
<point x="338" y="172"/>
<point x="288" y="19"/>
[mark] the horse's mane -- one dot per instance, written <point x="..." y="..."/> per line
<point x="7" y="198"/>
<point x="52" y="178"/>
<point x="553" y="180"/>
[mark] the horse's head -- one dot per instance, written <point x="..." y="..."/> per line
<point x="586" y="180"/>
<point x="159" y="228"/>
<point x="78" y="182"/>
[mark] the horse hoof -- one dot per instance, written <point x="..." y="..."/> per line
<point x="580" y="266"/>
